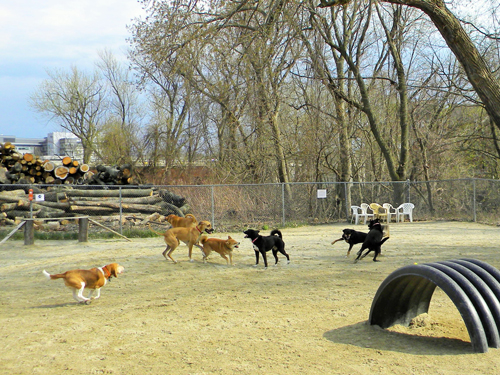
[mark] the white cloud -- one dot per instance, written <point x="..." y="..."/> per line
<point x="66" y="29"/>
<point x="36" y="35"/>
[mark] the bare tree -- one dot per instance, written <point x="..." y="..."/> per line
<point x="76" y="101"/>
<point x="479" y="74"/>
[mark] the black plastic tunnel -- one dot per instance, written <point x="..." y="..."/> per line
<point x="472" y="285"/>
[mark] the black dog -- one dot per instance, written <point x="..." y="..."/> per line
<point x="352" y="237"/>
<point x="373" y="241"/>
<point x="262" y="244"/>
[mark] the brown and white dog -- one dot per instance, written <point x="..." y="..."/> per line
<point x="187" y="221"/>
<point x="190" y="236"/>
<point x="93" y="279"/>
<point x="223" y="247"/>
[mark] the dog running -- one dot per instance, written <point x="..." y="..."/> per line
<point x="352" y="237"/>
<point x="262" y="244"/>
<point x="93" y="279"/>
<point x="373" y="241"/>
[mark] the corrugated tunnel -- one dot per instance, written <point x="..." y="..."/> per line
<point x="472" y="285"/>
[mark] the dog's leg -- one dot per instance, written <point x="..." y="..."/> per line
<point x="349" y="251"/>
<point x="80" y="296"/>
<point x="282" y="251"/>
<point x="359" y="254"/>
<point x="275" y="254"/>
<point x="264" y="256"/>
<point x="98" y="293"/>
<point x="165" y="251"/>
<point x="340" y="239"/>
<point x="170" y="256"/>
<point x="256" y="257"/>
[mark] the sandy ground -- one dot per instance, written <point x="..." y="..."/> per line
<point x="306" y="317"/>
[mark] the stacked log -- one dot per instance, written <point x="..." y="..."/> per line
<point x="16" y="168"/>
<point x="71" y="202"/>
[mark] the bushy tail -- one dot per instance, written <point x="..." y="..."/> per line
<point x="152" y="230"/>
<point x="275" y="232"/>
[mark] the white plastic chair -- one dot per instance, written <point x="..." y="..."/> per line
<point x="364" y="212"/>
<point x="356" y="213"/>
<point x="405" y="209"/>
<point x="390" y="211"/>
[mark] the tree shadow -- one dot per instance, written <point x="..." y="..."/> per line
<point x="365" y="335"/>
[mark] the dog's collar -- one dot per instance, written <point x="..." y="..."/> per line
<point x="198" y="229"/>
<point x="255" y="239"/>
<point x="106" y="272"/>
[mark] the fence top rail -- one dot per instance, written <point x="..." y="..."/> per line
<point x="151" y="186"/>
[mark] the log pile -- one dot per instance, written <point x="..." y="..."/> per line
<point x="70" y="202"/>
<point x="17" y="168"/>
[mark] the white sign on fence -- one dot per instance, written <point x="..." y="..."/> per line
<point x="39" y="197"/>
<point x="321" y="193"/>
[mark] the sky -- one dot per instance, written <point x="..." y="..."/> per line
<point x="36" y="36"/>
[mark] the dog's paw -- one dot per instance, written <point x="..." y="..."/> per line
<point x="288" y="262"/>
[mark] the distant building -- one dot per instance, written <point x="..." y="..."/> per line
<point x="61" y="144"/>
<point x="53" y="147"/>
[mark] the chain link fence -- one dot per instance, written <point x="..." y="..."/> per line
<point x="233" y="207"/>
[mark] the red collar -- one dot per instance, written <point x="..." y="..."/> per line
<point x="255" y="239"/>
<point x="198" y="229"/>
<point x="106" y="272"/>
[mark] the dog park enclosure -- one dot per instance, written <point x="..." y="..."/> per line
<point x="231" y="206"/>
<point x="308" y="317"/>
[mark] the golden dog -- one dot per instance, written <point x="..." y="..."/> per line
<point x="223" y="247"/>
<point x="187" y="221"/>
<point x="190" y="236"/>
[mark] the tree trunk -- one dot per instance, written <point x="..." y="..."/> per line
<point x="478" y="72"/>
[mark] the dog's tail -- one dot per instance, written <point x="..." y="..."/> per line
<point x="203" y="239"/>
<point x="152" y="230"/>
<point x="190" y="216"/>
<point x="276" y="232"/>
<point x="53" y="277"/>
<point x="383" y="240"/>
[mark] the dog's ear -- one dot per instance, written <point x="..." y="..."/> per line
<point x="115" y="269"/>
<point x="229" y="238"/>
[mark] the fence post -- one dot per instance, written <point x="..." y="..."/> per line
<point x="121" y="210"/>
<point x="83" y="229"/>
<point x="29" y="232"/>
<point x="213" y="204"/>
<point x="474" y="199"/>
<point x="347" y="208"/>
<point x="283" y="203"/>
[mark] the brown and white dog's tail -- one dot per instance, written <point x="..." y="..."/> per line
<point x="53" y="277"/>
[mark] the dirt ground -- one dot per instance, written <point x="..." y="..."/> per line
<point x="306" y="317"/>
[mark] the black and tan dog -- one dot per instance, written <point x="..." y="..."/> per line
<point x="373" y="240"/>
<point x="352" y="237"/>
<point x="190" y="236"/>
<point x="262" y="244"/>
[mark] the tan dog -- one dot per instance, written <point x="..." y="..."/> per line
<point x="190" y="236"/>
<point x="223" y="247"/>
<point x="93" y="279"/>
<point x="187" y="221"/>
